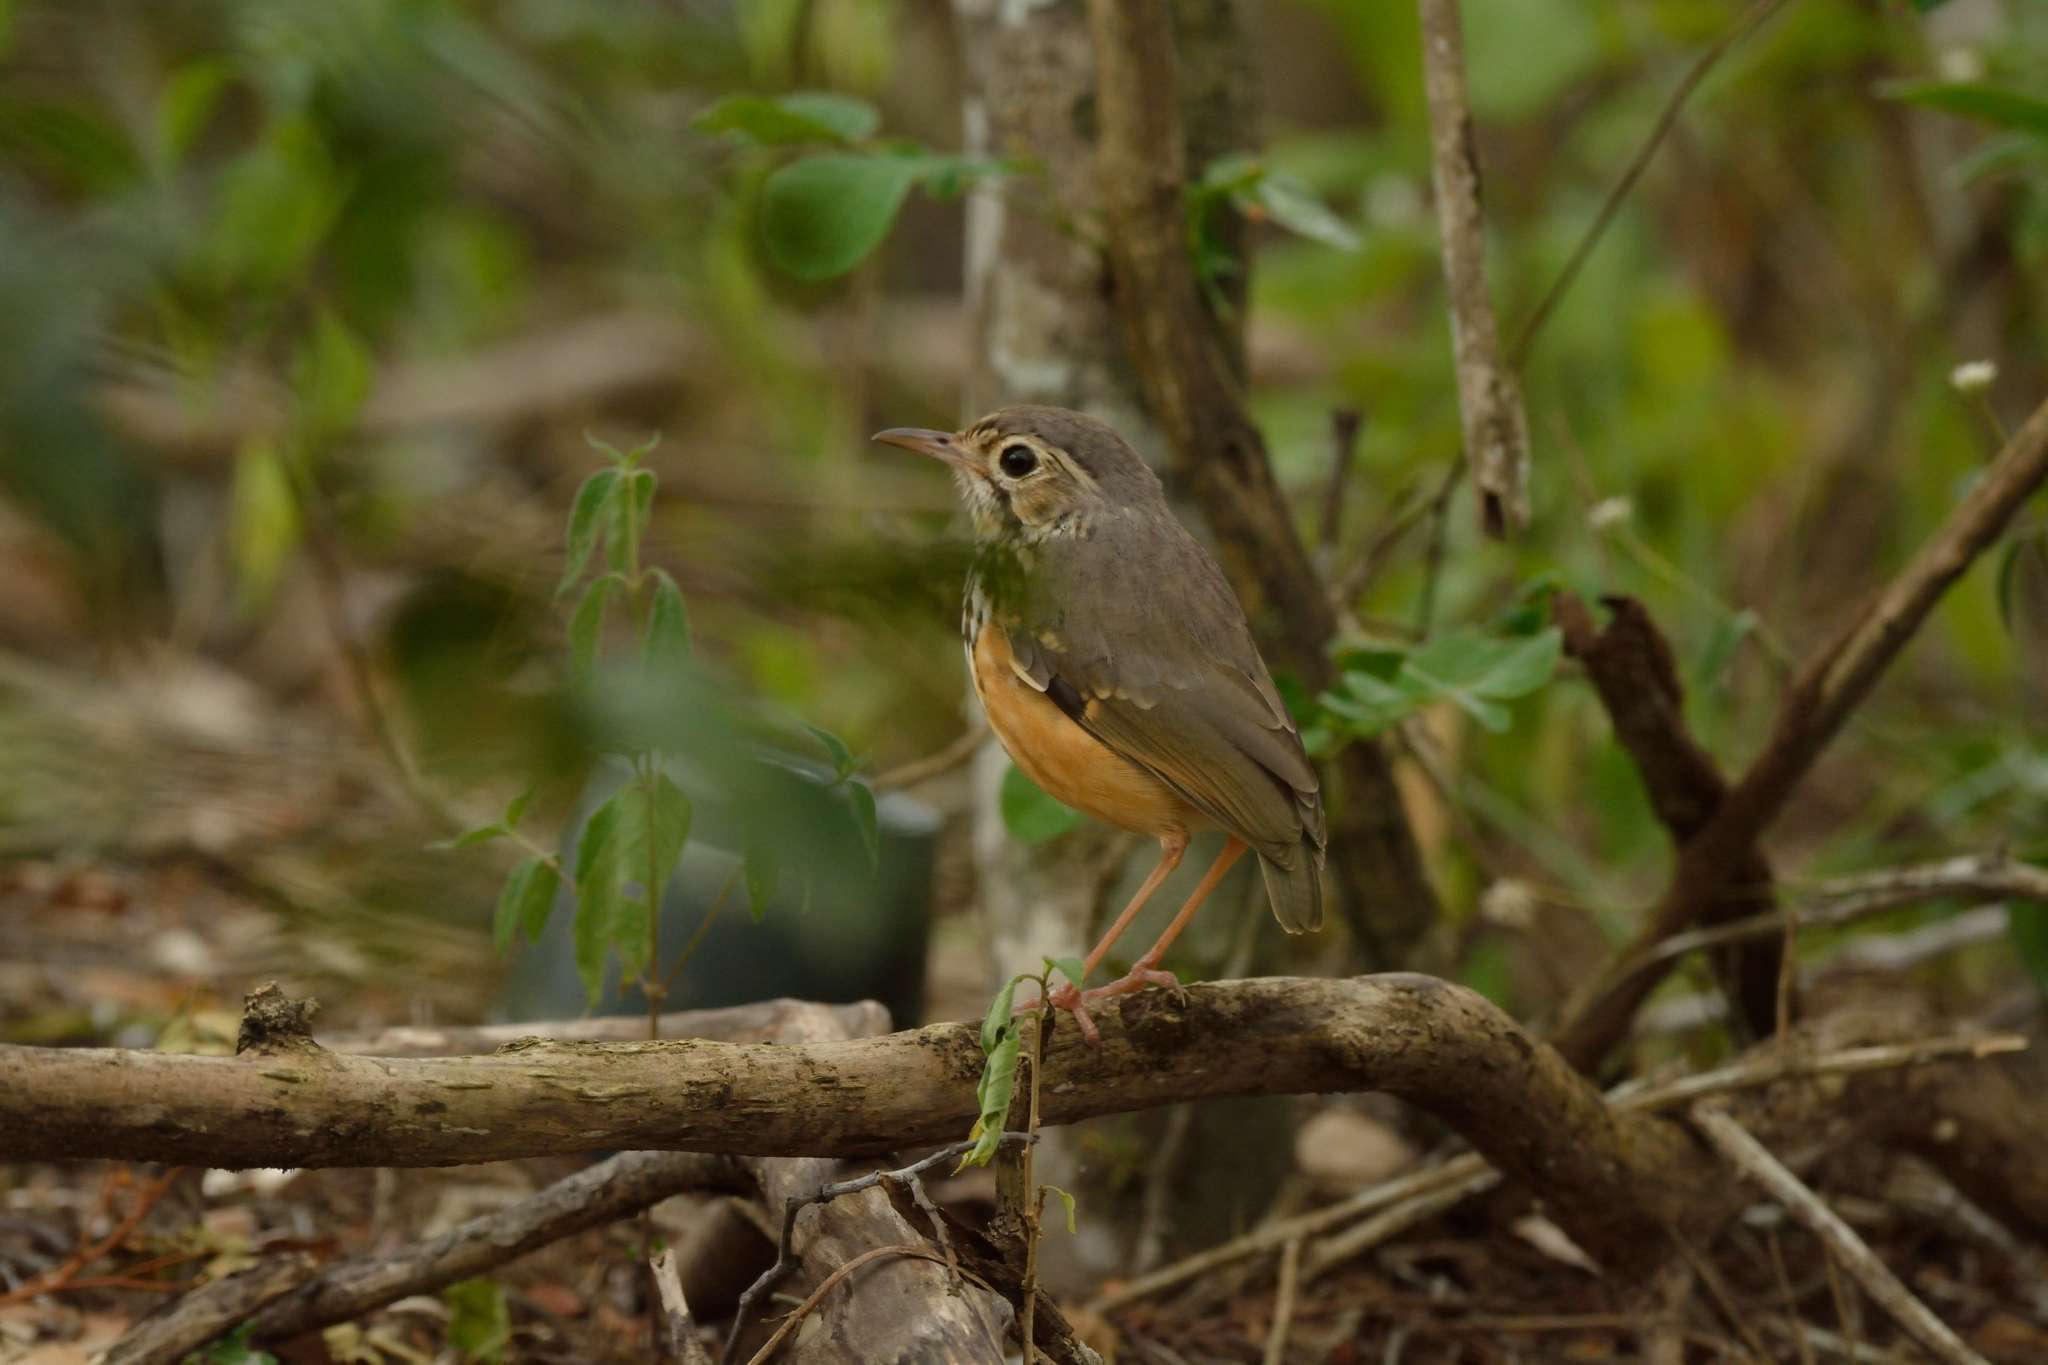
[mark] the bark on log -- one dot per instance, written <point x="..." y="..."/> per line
<point x="1613" y="1181"/>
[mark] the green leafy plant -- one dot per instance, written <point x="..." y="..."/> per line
<point x="823" y="213"/>
<point x="1379" y="687"/>
<point x="1261" y="194"/>
<point x="1001" y="1044"/>
<point x="630" y="844"/>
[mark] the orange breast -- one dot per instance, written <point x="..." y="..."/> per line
<point x="1064" y="759"/>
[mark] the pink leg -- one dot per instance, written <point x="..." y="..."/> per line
<point x="1145" y="971"/>
<point x="1172" y="847"/>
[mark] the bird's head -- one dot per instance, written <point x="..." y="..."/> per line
<point x="1030" y="473"/>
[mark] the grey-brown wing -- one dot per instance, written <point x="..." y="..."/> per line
<point x="1139" y="638"/>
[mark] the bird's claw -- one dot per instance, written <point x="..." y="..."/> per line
<point x="1067" y="997"/>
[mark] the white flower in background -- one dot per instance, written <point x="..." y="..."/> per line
<point x="1973" y="376"/>
<point x="1960" y="64"/>
<point x="1610" y="512"/>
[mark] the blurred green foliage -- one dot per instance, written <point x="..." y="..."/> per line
<point x="365" y="271"/>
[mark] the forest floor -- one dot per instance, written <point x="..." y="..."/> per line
<point x="159" y="953"/>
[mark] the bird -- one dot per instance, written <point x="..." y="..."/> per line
<point x="1116" y="667"/>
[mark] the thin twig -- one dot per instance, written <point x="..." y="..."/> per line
<point x="826" y="1286"/>
<point x="679" y="1328"/>
<point x="1724" y="1301"/>
<point x="1344" y="428"/>
<point x="65" y="1276"/>
<point x="1489" y="394"/>
<point x="1749" y="21"/>
<point x="1467" y="1173"/>
<point x="785" y="1252"/>
<point x="1829" y="688"/>
<point x="1755" y="1161"/>
<point x="1847" y="900"/>
<point x="1283" y="1303"/>
<point x="919" y="770"/>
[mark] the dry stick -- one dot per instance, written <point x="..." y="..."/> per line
<point x="593" y="1197"/>
<point x="757" y="1022"/>
<point x="1754" y="1160"/>
<point x="1749" y="21"/>
<point x="1344" y="426"/>
<point x="1850" y="899"/>
<point x="678" y="1328"/>
<point x="1489" y="394"/>
<point x="826" y="1286"/>
<point x="1283" y="1303"/>
<point x="1355" y="1241"/>
<point x="1826" y="692"/>
<point x="1469" y="1172"/>
<point x="186" y="1324"/>
<point x="954" y="755"/>
<point x="785" y="1248"/>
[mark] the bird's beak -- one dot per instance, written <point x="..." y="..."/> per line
<point x="940" y="445"/>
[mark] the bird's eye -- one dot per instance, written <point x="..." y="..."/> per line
<point x="1017" y="461"/>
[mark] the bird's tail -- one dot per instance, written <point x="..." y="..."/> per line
<point x="1295" y="886"/>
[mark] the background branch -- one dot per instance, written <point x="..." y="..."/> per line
<point x="1196" y="394"/>
<point x="1821" y="698"/>
<point x="1489" y="394"/>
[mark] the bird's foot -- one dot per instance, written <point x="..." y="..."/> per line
<point x="1075" y="1002"/>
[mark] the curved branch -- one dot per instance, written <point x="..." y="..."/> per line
<point x="1614" y="1180"/>
<point x="1827" y="691"/>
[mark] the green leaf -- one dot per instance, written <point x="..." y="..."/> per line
<point x="842" y="757"/>
<point x="470" y="838"/>
<point x="592" y="499"/>
<point x="515" y="809"/>
<point x="1067" y="1200"/>
<point x="479" y="1324"/>
<point x="1000" y="1017"/>
<point x="526" y="901"/>
<point x="330" y="379"/>
<point x="586" y="625"/>
<point x="1294" y="206"/>
<point x="668" y="815"/>
<point x="1499" y="669"/>
<point x="998" y="1086"/>
<point x="186" y="106"/>
<point x="802" y="116"/>
<point x="263" y="521"/>
<point x="643" y="481"/>
<point x="762" y="871"/>
<point x="1928" y="6"/>
<point x="1369" y="705"/>
<point x="1072" y="968"/>
<point x="863" y="799"/>
<point x="666" y="645"/>
<point x="1996" y="105"/>
<point x="822" y="215"/>
<point x="600" y="894"/>
<point x="1029" y="814"/>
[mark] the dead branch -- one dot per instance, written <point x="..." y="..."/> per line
<point x="1821" y="698"/>
<point x="1632" y="669"/>
<point x="1755" y="1161"/>
<point x="1489" y="394"/>
<point x="1750" y="19"/>
<point x="185" y="1324"/>
<point x="591" y="1198"/>
<point x="1842" y="901"/>
<point x="1439" y="1045"/>
<point x="1196" y="395"/>
<point x="760" y="1022"/>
